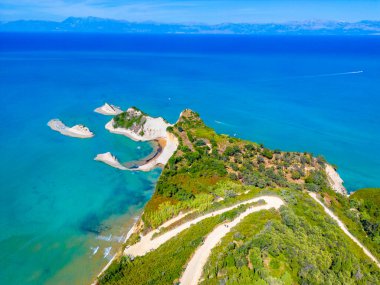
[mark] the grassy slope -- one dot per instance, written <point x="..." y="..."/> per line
<point x="370" y="194"/>
<point x="305" y="244"/>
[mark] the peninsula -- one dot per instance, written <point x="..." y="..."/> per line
<point x="231" y="211"/>
<point x="77" y="131"/>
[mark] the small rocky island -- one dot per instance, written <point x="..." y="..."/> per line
<point x="108" y="109"/>
<point x="77" y="131"/>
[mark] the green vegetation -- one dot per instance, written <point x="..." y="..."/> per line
<point x="299" y="244"/>
<point x="128" y="119"/>
<point x="205" y="158"/>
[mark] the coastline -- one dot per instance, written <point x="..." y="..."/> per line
<point x="116" y="255"/>
<point x="157" y="146"/>
<point x="163" y="148"/>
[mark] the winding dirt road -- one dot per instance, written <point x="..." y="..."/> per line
<point x="147" y="244"/>
<point x="194" y="268"/>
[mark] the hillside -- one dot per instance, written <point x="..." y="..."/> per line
<point x="101" y="25"/>
<point x="296" y="244"/>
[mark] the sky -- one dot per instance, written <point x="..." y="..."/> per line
<point x="185" y="11"/>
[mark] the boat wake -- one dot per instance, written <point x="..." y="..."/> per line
<point x="312" y="76"/>
<point x="223" y="123"/>
<point x="333" y="74"/>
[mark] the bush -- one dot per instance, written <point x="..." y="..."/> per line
<point x="296" y="175"/>
<point x="267" y="153"/>
<point x="200" y="143"/>
<point x="232" y="150"/>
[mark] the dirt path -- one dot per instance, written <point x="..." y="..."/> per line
<point x="194" y="268"/>
<point x="343" y="227"/>
<point x="147" y="244"/>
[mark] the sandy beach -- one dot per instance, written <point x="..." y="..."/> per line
<point x="108" y="110"/>
<point x="77" y="131"/>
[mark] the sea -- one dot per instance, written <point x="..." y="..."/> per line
<point x="63" y="215"/>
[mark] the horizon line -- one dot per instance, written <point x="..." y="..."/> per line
<point x="194" y="23"/>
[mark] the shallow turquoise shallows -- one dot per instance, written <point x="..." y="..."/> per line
<point x="63" y="215"/>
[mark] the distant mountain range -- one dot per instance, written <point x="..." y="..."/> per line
<point x="100" y="25"/>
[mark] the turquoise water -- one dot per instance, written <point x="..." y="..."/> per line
<point x="58" y="205"/>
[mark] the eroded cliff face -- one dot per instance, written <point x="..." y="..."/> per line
<point x="335" y="181"/>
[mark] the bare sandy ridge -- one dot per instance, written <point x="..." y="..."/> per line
<point x="194" y="268"/>
<point x="344" y="229"/>
<point x="147" y="244"/>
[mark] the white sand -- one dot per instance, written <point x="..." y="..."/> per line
<point x="147" y="244"/>
<point x="335" y="181"/>
<point x="153" y="129"/>
<point x="344" y="229"/>
<point x="108" y="109"/>
<point x="77" y="131"/>
<point x="194" y="268"/>
<point x="109" y="159"/>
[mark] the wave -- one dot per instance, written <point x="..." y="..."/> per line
<point x="106" y="238"/>
<point x="94" y="250"/>
<point x="107" y="251"/>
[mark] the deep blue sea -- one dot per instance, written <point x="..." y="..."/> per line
<point x="58" y="205"/>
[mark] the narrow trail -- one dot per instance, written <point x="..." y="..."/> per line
<point x="345" y="230"/>
<point x="194" y="268"/>
<point x="147" y="244"/>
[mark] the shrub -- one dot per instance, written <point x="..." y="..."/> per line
<point x="296" y="175"/>
<point x="267" y="153"/>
